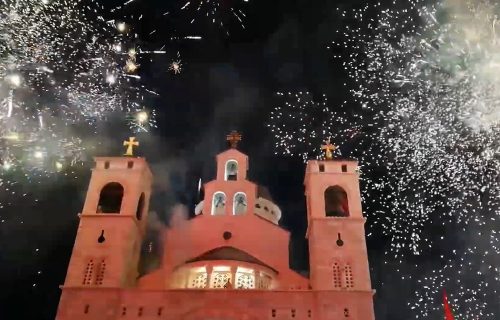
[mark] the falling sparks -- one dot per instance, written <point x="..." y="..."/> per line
<point x="428" y="78"/>
<point x="426" y="134"/>
<point x="300" y="125"/>
<point x="218" y="12"/>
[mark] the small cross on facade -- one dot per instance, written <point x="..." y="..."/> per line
<point x="234" y="137"/>
<point x="329" y="149"/>
<point x="130" y="144"/>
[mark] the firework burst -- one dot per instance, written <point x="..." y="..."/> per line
<point x="176" y="65"/>
<point x="63" y="71"/>
<point x="142" y="120"/>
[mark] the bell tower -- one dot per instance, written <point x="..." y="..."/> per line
<point x="112" y="225"/>
<point x="337" y="247"/>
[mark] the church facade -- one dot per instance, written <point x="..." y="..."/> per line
<point x="229" y="262"/>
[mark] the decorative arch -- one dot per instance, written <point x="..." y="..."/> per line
<point x="336" y="202"/>
<point x="231" y="170"/>
<point x="219" y="203"/>
<point x="110" y="198"/>
<point x="140" y="207"/>
<point x="240" y="203"/>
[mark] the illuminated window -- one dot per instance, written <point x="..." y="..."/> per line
<point x="198" y="278"/>
<point x="245" y="278"/>
<point x="263" y="281"/>
<point x="221" y="277"/>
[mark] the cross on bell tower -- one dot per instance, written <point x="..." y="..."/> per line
<point x="329" y="148"/>
<point x="130" y="144"/>
<point x="234" y="137"/>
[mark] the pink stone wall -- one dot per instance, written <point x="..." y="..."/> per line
<point x="328" y="294"/>
<point x="108" y="304"/>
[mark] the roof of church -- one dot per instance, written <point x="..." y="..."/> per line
<point x="229" y="253"/>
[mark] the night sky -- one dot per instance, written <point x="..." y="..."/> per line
<point x="227" y="83"/>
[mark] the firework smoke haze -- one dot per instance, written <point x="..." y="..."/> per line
<point x="61" y="74"/>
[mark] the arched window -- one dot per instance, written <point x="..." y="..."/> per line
<point x="239" y="203"/>
<point x="110" y="199"/>
<point x="219" y="203"/>
<point x="140" y="207"/>
<point x="337" y="280"/>
<point x="100" y="273"/>
<point x="231" y="170"/>
<point x="89" y="273"/>
<point x="349" y="280"/>
<point x="336" y="204"/>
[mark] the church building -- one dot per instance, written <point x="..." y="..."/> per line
<point x="230" y="261"/>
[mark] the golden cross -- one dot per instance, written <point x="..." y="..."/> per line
<point x="329" y="148"/>
<point x="234" y="137"/>
<point x="130" y="144"/>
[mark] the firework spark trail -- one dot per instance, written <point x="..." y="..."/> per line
<point x="300" y="125"/>
<point x="217" y="12"/>
<point x="61" y="70"/>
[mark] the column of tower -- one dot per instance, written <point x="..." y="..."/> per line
<point x="337" y="247"/>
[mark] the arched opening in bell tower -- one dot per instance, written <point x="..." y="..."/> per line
<point x="231" y="170"/>
<point x="219" y="203"/>
<point x="239" y="203"/>
<point x="336" y="203"/>
<point x="110" y="198"/>
<point x="140" y="207"/>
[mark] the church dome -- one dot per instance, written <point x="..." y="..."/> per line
<point x="265" y="207"/>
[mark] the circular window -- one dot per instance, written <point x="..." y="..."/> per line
<point x="227" y="235"/>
